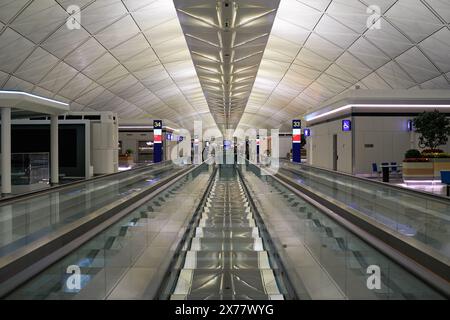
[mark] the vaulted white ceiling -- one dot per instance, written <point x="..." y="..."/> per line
<point x="131" y="56"/>
<point x="227" y="40"/>
<point x="320" y="48"/>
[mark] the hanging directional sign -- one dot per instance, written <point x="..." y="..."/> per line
<point x="157" y="140"/>
<point x="257" y="148"/>
<point x="296" y="140"/>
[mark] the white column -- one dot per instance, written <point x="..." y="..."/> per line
<point x="54" y="165"/>
<point x="6" y="150"/>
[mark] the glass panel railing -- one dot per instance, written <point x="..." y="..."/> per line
<point x="105" y="259"/>
<point x="27" y="220"/>
<point x="420" y="219"/>
<point x="343" y="256"/>
<point x="29" y="168"/>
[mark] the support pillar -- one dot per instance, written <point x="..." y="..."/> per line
<point x="157" y="141"/>
<point x="296" y="141"/>
<point x="6" y="150"/>
<point x="54" y="152"/>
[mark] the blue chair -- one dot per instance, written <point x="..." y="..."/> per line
<point x="445" y="178"/>
<point x="394" y="168"/>
<point x="375" y="169"/>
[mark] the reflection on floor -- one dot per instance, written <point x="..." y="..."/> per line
<point x="27" y="188"/>
<point x="435" y="187"/>
<point x="227" y="259"/>
<point x="123" y="261"/>
<point x="134" y="165"/>
<point x="431" y="186"/>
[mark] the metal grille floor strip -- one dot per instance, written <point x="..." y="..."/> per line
<point x="226" y="258"/>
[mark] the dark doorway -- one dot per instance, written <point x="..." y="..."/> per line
<point x="335" y="154"/>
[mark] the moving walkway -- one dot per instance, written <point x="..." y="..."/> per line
<point x="226" y="233"/>
<point x="35" y="226"/>
<point x="415" y="223"/>
<point x="226" y="258"/>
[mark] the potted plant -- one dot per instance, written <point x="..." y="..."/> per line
<point x="416" y="166"/>
<point x="129" y="152"/>
<point x="434" y="129"/>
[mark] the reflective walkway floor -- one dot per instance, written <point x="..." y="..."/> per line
<point x="227" y="256"/>
<point x="329" y="259"/>
<point x="27" y="221"/>
<point x="226" y="259"/>
<point x="126" y="260"/>
<point x="419" y="219"/>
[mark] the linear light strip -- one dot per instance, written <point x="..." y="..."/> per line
<point x="35" y="96"/>
<point x="205" y="56"/>
<point x="202" y="40"/>
<point x="246" y="68"/>
<point x="212" y="24"/>
<point x="249" y="56"/>
<point x="413" y="106"/>
<point x="251" y="19"/>
<point x="244" y="79"/>
<point x="208" y="69"/>
<point x="250" y="40"/>
<point x="234" y="15"/>
<point x="210" y="79"/>
<point x="219" y="35"/>
<point x="219" y="14"/>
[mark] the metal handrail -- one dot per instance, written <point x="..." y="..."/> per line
<point x="33" y="194"/>
<point x="30" y="153"/>
<point x="348" y="175"/>
<point x="425" y="266"/>
<point x="15" y="268"/>
<point x="291" y="290"/>
<point x="168" y="282"/>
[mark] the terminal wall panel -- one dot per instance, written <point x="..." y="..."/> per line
<point x="321" y="148"/>
<point x="34" y="137"/>
<point x="285" y="145"/>
<point x="130" y="140"/>
<point x="169" y="148"/>
<point x="104" y="147"/>
<point x="380" y="139"/>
